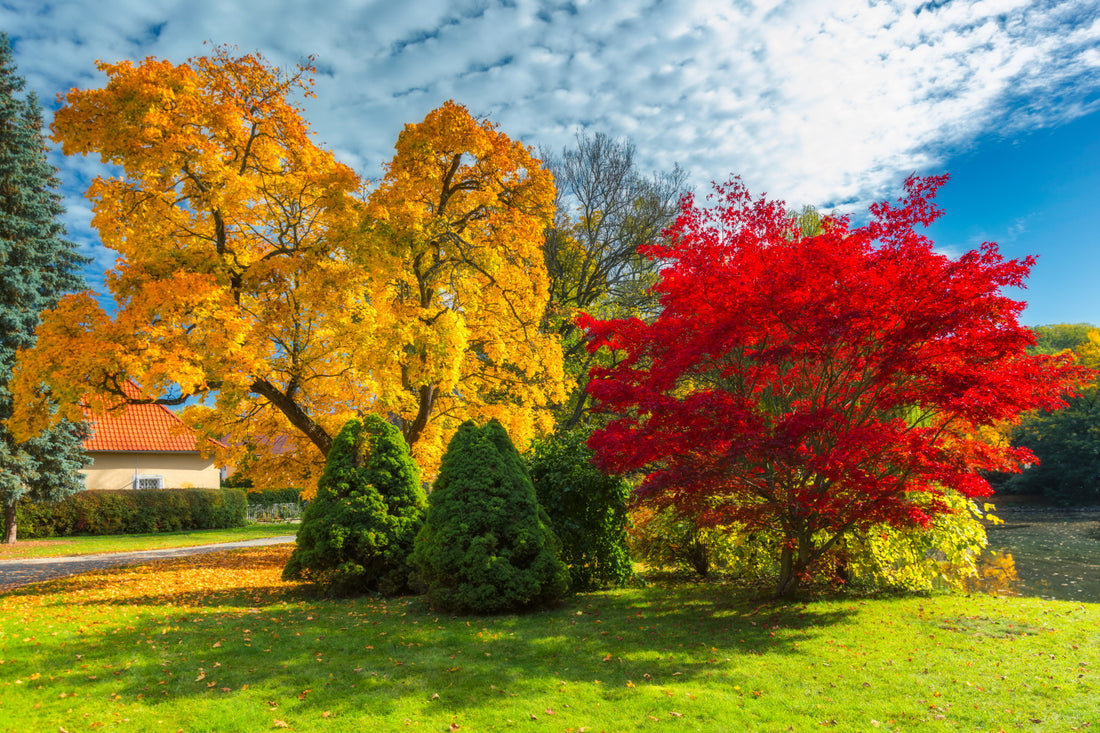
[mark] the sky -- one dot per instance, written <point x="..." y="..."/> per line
<point x="831" y="103"/>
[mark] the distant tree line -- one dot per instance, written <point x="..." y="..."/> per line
<point x="1066" y="441"/>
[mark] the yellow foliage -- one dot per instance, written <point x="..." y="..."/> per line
<point x="462" y="211"/>
<point x="996" y="574"/>
<point x="253" y="275"/>
<point x="1089" y="352"/>
<point x="177" y="581"/>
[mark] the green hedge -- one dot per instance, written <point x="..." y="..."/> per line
<point x="274" y="496"/>
<point x="133" y="512"/>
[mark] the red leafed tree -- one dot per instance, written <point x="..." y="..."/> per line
<point x="817" y="385"/>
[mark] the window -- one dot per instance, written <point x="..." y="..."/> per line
<point x="148" y="482"/>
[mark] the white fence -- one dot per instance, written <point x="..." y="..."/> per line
<point x="274" y="512"/>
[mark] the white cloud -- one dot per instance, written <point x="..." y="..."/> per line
<point x="814" y="101"/>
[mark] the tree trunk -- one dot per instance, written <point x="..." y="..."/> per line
<point x="574" y="418"/>
<point x="578" y="410"/>
<point x="9" y="523"/>
<point x="788" y="580"/>
<point x="699" y="558"/>
<point x="793" y="564"/>
<point x="294" y="413"/>
<point x="416" y="427"/>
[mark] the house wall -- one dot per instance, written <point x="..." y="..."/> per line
<point x="180" y="470"/>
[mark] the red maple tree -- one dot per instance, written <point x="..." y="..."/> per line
<point x="818" y="384"/>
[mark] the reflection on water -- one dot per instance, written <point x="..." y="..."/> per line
<point x="996" y="575"/>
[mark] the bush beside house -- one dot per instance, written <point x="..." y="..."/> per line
<point x="129" y="511"/>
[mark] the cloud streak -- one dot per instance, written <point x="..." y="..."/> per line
<point x="814" y="101"/>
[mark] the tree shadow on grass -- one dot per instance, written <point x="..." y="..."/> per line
<point x="258" y="645"/>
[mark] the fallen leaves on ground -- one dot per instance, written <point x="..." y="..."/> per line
<point x="254" y="573"/>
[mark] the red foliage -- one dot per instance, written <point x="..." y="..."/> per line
<point x="818" y="384"/>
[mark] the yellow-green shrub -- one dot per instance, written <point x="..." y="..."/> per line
<point x="944" y="555"/>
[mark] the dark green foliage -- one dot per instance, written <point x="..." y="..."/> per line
<point x="486" y="546"/>
<point x="237" y="480"/>
<point x="1067" y="443"/>
<point x="37" y="266"/>
<point x="141" y="511"/>
<point x="358" y="532"/>
<point x="587" y="510"/>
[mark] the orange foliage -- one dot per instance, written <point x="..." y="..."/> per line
<point x="255" y="276"/>
<point x="254" y="574"/>
<point x="229" y="223"/>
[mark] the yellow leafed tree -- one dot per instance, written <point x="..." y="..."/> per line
<point x="463" y="209"/>
<point x="253" y="275"/>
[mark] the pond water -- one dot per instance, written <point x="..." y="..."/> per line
<point x="1043" y="552"/>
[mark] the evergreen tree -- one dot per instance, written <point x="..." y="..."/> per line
<point x="486" y="545"/>
<point x="357" y="534"/>
<point x="37" y="266"/>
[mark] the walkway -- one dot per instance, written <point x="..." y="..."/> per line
<point x="17" y="573"/>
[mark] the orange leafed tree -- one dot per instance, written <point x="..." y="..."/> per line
<point x="254" y="275"/>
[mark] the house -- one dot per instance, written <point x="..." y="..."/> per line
<point x="145" y="447"/>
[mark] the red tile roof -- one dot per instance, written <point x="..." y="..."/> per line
<point x="139" y="428"/>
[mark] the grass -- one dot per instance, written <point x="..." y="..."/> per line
<point x="220" y="643"/>
<point x="91" y="545"/>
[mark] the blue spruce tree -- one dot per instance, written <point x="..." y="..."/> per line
<point x="37" y="266"/>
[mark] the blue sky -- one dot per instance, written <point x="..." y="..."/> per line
<point x="825" y="102"/>
<point x="1034" y="193"/>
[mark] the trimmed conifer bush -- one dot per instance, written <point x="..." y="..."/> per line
<point x="486" y="545"/>
<point x="357" y="533"/>
<point x="587" y="510"/>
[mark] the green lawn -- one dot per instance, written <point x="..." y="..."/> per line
<point x="219" y="643"/>
<point x="126" y="543"/>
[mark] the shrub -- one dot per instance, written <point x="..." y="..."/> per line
<point x="587" y="510"/>
<point x="357" y="533"/>
<point x="141" y="511"/>
<point x="486" y="546"/>
<point x="666" y="538"/>
<point x="919" y="559"/>
<point x="944" y="555"/>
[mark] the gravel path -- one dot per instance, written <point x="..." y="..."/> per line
<point x="17" y="573"/>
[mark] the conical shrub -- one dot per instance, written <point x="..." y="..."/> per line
<point x="357" y="534"/>
<point x="486" y="546"/>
